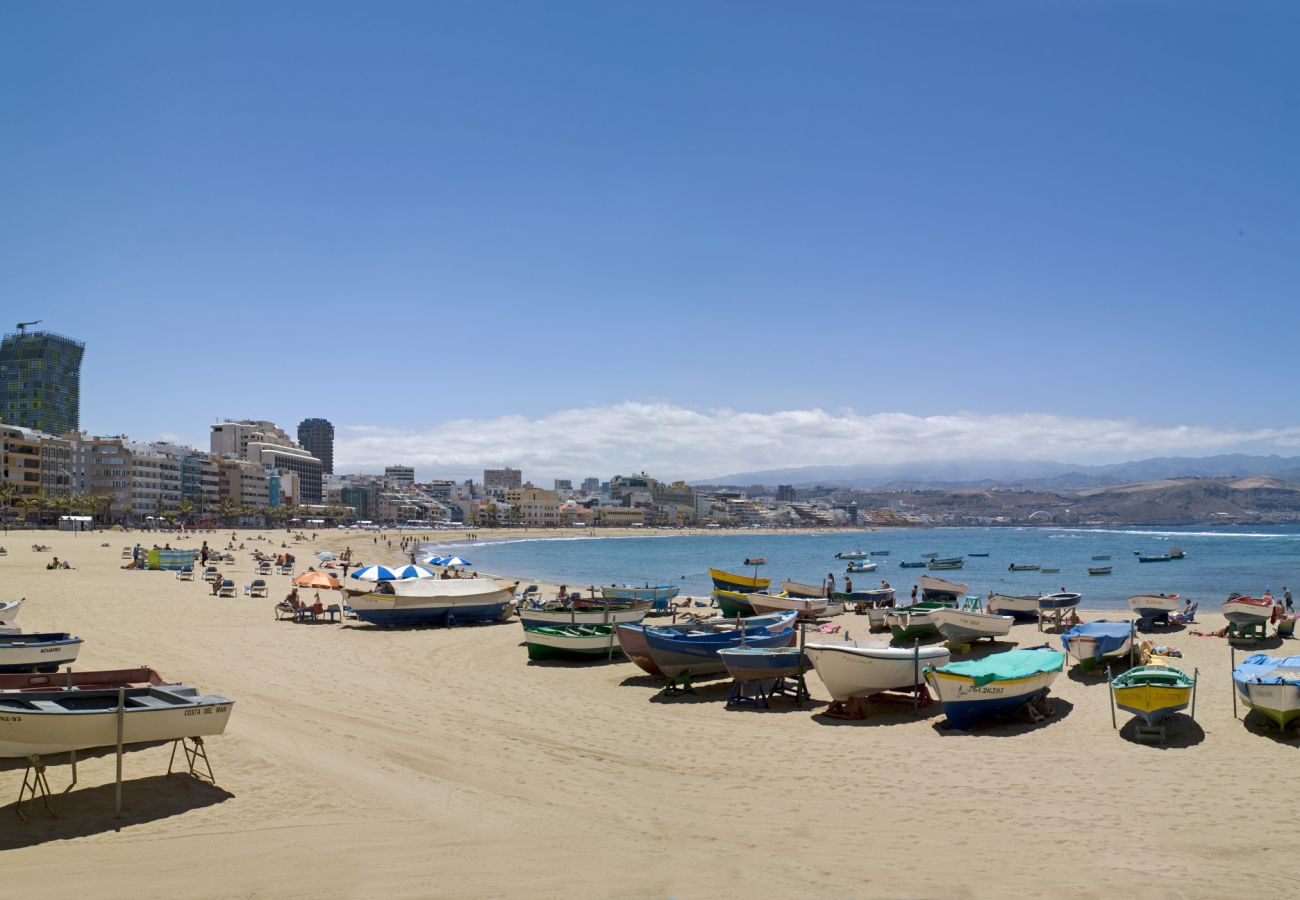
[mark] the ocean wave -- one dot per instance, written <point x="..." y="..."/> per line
<point x="1183" y="534"/>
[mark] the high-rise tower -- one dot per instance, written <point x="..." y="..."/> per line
<point x="40" y="381"/>
<point x="316" y="436"/>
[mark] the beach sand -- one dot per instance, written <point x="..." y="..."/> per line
<point x="362" y="762"/>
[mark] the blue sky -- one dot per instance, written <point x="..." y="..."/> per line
<point x="428" y="222"/>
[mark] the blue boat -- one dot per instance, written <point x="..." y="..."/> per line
<point x="975" y="690"/>
<point x="1093" y="642"/>
<point x="761" y="663"/>
<point x="658" y="595"/>
<point x="38" y="652"/>
<point x="433" y="601"/>
<point x="694" y="654"/>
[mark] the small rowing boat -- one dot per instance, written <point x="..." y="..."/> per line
<point x="1023" y="567"/>
<point x="1153" y="693"/>
<point x="38" y="652"/>
<point x="955" y="562"/>
<point x="861" y="668"/>
<point x="571" y="642"/>
<point x="1093" y="643"/>
<point x="1270" y="685"/>
<point x="1099" y="570"/>
<point x="741" y="584"/>
<point x="1017" y="606"/>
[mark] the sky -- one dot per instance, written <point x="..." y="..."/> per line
<point x="689" y="237"/>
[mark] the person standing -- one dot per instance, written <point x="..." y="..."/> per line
<point x="1286" y="594"/>
<point x="913" y="594"/>
<point x="830" y="583"/>
<point x="848" y="585"/>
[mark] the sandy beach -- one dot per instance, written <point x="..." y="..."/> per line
<point x="363" y="762"/>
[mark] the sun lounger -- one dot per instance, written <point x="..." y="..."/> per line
<point x="258" y="588"/>
<point x="211" y="573"/>
<point x="227" y="588"/>
<point x="264" y="568"/>
<point x="185" y="573"/>
<point x="1187" y="618"/>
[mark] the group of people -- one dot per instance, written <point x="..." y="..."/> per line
<point x="58" y="564"/>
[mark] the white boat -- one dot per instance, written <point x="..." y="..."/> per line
<point x="938" y="589"/>
<point x="833" y="608"/>
<point x="37" y="652"/>
<point x="433" y="601"/>
<point x="9" y="610"/>
<point x="44" y="722"/>
<point x="806" y="607"/>
<point x="974" y="690"/>
<point x="1020" y="607"/>
<point x="1092" y="643"/>
<point x="854" y="568"/>
<point x="535" y="618"/>
<point x="861" y="668"/>
<point x="1154" y="606"/>
<point x="1270" y="685"/>
<point x="852" y="554"/>
<point x="962" y="626"/>
<point x="1241" y="610"/>
<point x="801" y="589"/>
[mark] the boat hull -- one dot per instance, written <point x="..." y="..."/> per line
<point x="799" y="589"/>
<point x="750" y="664"/>
<point x="571" y="643"/>
<point x="18" y="653"/>
<point x="9" y="610"/>
<point x="537" y="618"/>
<point x="1010" y="605"/>
<point x="1155" y="699"/>
<point x="733" y="604"/>
<point x="1154" y="606"/>
<point x="434" y="602"/>
<point x="966" y="704"/>
<point x="1052" y="602"/>
<point x="939" y="589"/>
<point x="659" y="595"/>
<point x="861" y="668"/>
<point x="962" y="626"/>
<point x="806" y="607"/>
<point x="676" y="655"/>
<point x="1239" y="612"/>
<point x="1278" y="702"/>
<point x="741" y="584"/>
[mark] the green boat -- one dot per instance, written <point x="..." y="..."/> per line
<point x="910" y="622"/>
<point x="733" y="603"/>
<point x="571" y="642"/>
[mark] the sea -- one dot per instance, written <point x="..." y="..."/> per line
<point x="1218" y="561"/>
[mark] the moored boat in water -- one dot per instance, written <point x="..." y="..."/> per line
<point x="852" y="568"/>
<point x="955" y="562"/>
<point x="1099" y="570"/>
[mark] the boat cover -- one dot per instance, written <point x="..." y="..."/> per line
<point x="1110" y="636"/>
<point x="1264" y="669"/>
<point x="1007" y="666"/>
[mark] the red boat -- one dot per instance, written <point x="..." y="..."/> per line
<point x="108" y="679"/>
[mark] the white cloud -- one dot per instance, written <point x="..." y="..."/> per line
<point x="674" y="442"/>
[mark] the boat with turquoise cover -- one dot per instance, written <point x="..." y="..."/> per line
<point x="741" y="584"/>
<point x="1092" y="643"/>
<point x="974" y="690"/>
<point x="571" y="642"/>
<point x="1153" y="693"/>
<point x="1270" y="685"/>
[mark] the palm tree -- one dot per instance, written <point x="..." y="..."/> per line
<point x="6" y="497"/>
<point x="187" y="509"/>
<point x="28" y="504"/>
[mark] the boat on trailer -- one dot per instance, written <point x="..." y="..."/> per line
<point x="1270" y="685"/>
<point x="57" y="721"/>
<point x="433" y="601"/>
<point x="1155" y="607"/>
<point x="41" y="652"/>
<point x="973" y="691"/>
<point x="1058" y="601"/>
<point x="1093" y="643"/>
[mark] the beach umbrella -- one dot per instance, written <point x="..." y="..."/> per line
<point x="324" y="556"/>
<point x="374" y="573"/>
<point x="316" y="579"/>
<point x="413" y="571"/>
<point x="454" y="561"/>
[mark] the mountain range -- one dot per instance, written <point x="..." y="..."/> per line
<point x="1009" y="473"/>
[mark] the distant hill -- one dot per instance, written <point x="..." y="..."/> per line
<point x="1030" y="474"/>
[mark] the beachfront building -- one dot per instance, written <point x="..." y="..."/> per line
<point x="128" y="481"/>
<point x="617" y="516"/>
<point x="399" y="474"/>
<point x="535" y="508"/>
<point x="785" y="493"/>
<point x="33" y="465"/>
<point x="242" y="484"/>
<point x="40" y="381"/>
<point x="497" y="481"/>
<point x="316" y="436"/>
<point x="265" y="444"/>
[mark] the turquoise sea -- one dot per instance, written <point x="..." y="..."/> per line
<point x="1218" y="561"/>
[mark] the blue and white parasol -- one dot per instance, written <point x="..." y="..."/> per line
<point x="375" y="573"/>
<point x="413" y="571"/>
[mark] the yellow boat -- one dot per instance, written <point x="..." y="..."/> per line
<point x="1153" y="692"/>
<point x="742" y="584"/>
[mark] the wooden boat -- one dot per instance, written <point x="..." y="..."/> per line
<point x="741" y="584"/>
<point x="879" y="552"/>
<point x="44" y="652"/>
<point x="1023" y="567"/>
<point x="1061" y="600"/>
<point x="761" y="663"/>
<point x="631" y="637"/>
<point x="1270" y="685"/>
<point x="697" y="654"/>
<point x="433" y="601"/>
<point x="806" y="607"/>
<point x="852" y="568"/>
<point x="833" y="607"/>
<point x="561" y="615"/>
<point x="977" y="554"/>
<point x="862" y="668"/>
<point x="852" y="555"/>
<point x="86" y="680"/>
<point x="9" y="610"/>
<point x="953" y="563"/>
<point x="1093" y="643"/>
<point x="975" y="690"/>
<point x="872" y="597"/>
<point x="577" y="601"/>
<point x="912" y="565"/>
<point x="1154" y="557"/>
<point x="800" y="589"/>
<point x="658" y="595"/>
<point x="1099" y="570"/>
<point x="1051" y="571"/>
<point x="961" y="626"/>
<point x="1177" y="553"/>
<point x="1241" y="610"/>
<point x="1153" y="693"/>
<point x="1023" y="606"/>
<point x="571" y="642"/>
<point x="733" y="603"/>
<point x="907" y="623"/>
<point x="57" y="721"/>
<point x="929" y="555"/>
<point x="1154" y="606"/>
<point x="1102" y="556"/>
<point x="937" y="589"/>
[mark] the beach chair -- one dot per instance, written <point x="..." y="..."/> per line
<point x="257" y="589"/>
<point x="530" y="593"/>
<point x="126" y="552"/>
<point x="211" y="573"/>
<point x="286" y="569"/>
<point x="185" y="573"/>
<point x="264" y="568"/>
<point x="316" y="610"/>
<point x="1187" y="618"/>
<point x="227" y="588"/>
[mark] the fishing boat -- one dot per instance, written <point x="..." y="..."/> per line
<point x="1177" y="553"/>
<point x="694" y="654"/>
<point x="1093" y="643"/>
<point x="977" y="554"/>
<point x="806" y="607"/>
<point x="1052" y="571"/>
<point x="9" y="610"/>
<point x="636" y="648"/>
<point x="43" y="652"/>
<point x="577" y="601"/>
<point x="975" y="690"/>
<point x="1154" y="557"/>
<point x="1153" y="693"/>
<point x="433" y="601"/>
<point x="833" y="607"/>
<point x="658" y="595"/>
<point x="762" y="663"/>
<point x="741" y="584"/>
<point x="879" y="552"/>
<point x="908" y="623"/>
<point x="955" y="562"/>
<point x="57" y="721"/>
<point x="1270" y="685"/>
<point x="86" y="680"/>
<point x="800" y="589"/>
<point x="1022" y="606"/>
<point x="1101" y="557"/>
<point x="568" y="615"/>
<point x="1240" y="610"/>
<point x="852" y="555"/>
<point x="733" y="603"/>
<point x="912" y="565"/>
<point x="861" y="668"/>
<point x="874" y="597"/>
<point x="1154" y="606"/>
<point x="1023" y="567"/>
<point x="929" y="555"/>
<point x="571" y="642"/>
<point x="1060" y="600"/>
<point x="950" y="592"/>
<point x="962" y="626"/>
<point x="852" y="568"/>
<point x="1099" y="570"/>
